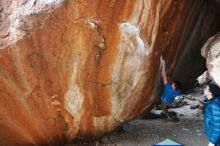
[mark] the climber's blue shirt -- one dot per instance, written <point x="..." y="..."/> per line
<point x="169" y="94"/>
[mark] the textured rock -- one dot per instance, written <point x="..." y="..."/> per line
<point x="71" y="69"/>
<point x="211" y="51"/>
<point x="189" y="63"/>
<point x="204" y="78"/>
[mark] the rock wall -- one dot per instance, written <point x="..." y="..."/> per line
<point x="202" y="23"/>
<point x="70" y="69"/>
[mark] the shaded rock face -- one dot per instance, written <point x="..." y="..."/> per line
<point x="72" y="69"/>
<point x="211" y="51"/>
<point x="202" y="23"/>
<point x="218" y="3"/>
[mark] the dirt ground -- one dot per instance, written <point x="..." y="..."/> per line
<point x="149" y="132"/>
<point x="146" y="132"/>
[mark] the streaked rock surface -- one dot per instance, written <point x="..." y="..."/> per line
<point x="76" y="68"/>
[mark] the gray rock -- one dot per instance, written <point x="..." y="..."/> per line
<point x="194" y="106"/>
<point x="211" y="52"/>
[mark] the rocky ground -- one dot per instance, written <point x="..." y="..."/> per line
<point x="188" y="130"/>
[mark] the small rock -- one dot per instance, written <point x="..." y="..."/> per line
<point x="105" y="140"/>
<point x="181" y="115"/>
<point x="178" y="104"/>
<point x="173" y="119"/>
<point x="193" y="99"/>
<point x="175" y="135"/>
<point x="198" y="132"/>
<point x="194" y="106"/>
<point x="179" y="98"/>
<point x="185" y="129"/>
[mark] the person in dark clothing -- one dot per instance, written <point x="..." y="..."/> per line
<point x="170" y="91"/>
<point x="212" y="114"/>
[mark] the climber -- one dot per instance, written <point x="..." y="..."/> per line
<point x="170" y="91"/>
<point x="212" y="114"/>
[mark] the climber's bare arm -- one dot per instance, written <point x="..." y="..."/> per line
<point x="164" y="75"/>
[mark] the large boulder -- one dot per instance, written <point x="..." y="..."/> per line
<point x="211" y="51"/>
<point x="71" y="69"/>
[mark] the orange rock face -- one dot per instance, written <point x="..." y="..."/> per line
<point x="71" y="69"/>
